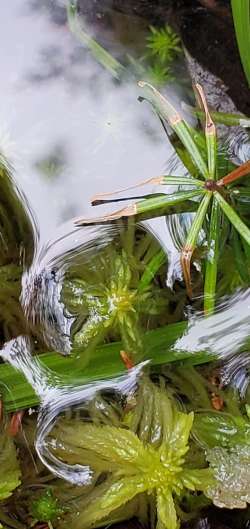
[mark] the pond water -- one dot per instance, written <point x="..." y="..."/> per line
<point x="111" y="370"/>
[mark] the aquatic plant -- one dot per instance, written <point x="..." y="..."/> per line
<point x="46" y="507"/>
<point x="117" y="295"/>
<point x="142" y="458"/>
<point x="163" y="43"/>
<point x="205" y="185"/>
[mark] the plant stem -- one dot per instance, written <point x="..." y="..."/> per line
<point x="212" y="260"/>
<point x="152" y="268"/>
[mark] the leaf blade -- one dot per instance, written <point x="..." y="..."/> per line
<point x="234" y="218"/>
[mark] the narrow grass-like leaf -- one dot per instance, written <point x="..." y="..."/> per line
<point x="231" y="120"/>
<point x="191" y="240"/>
<point x="144" y="206"/>
<point x="100" y="54"/>
<point x="210" y="133"/>
<point x="240" y="258"/>
<point x="169" y="113"/>
<point x="105" y="363"/>
<point x="212" y="260"/>
<point x="241" y="16"/>
<point x="151" y="270"/>
<point x="234" y="218"/>
<point x="166" y="200"/>
<point x="99" y="198"/>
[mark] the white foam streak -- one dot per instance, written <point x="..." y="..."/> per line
<point x="223" y="333"/>
<point x="56" y="397"/>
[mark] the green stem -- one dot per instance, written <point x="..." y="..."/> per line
<point x="128" y="237"/>
<point x="151" y="270"/>
<point x="212" y="260"/>
<point x="166" y="110"/>
<point x="198" y="221"/>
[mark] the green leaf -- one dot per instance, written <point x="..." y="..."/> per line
<point x="100" y="54"/>
<point x="166" y="110"/>
<point x="241" y="17"/>
<point x="166" y="200"/>
<point x="198" y="221"/>
<point x="242" y="263"/>
<point x="9" y="467"/>
<point x="117" y="445"/>
<point x="167" y="517"/>
<point x="234" y="218"/>
<point x="151" y="270"/>
<point x="158" y="347"/>
<point x="221" y="429"/>
<point x="231" y="120"/>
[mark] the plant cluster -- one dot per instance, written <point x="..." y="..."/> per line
<point x="207" y="185"/>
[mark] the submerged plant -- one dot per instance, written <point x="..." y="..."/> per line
<point x="163" y="43"/>
<point x="210" y="191"/>
<point x="118" y="296"/>
<point x="46" y="507"/>
<point x="142" y="462"/>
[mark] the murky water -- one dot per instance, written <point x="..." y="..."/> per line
<point x="110" y="298"/>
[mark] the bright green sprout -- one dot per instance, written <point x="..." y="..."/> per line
<point x="46" y="508"/>
<point x="159" y="75"/>
<point x="164" y="44"/>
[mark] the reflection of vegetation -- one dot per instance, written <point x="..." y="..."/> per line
<point x="52" y="165"/>
<point x="162" y="48"/>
